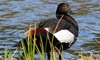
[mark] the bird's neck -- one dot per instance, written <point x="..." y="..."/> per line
<point x="68" y="18"/>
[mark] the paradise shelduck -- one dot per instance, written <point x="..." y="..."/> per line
<point x="63" y="29"/>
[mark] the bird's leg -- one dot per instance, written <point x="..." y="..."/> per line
<point x="59" y="52"/>
<point x="48" y="54"/>
<point x="59" y="55"/>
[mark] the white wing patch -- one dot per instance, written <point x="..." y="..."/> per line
<point x="47" y="29"/>
<point x="64" y="36"/>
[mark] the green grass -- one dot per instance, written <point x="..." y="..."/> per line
<point x="28" y="54"/>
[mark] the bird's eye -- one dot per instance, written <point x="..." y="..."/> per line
<point x="64" y="6"/>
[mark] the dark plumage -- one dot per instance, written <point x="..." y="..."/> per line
<point x="47" y="27"/>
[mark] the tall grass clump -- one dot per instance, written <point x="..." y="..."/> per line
<point x="30" y="47"/>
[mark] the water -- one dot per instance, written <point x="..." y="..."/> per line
<point x="17" y="15"/>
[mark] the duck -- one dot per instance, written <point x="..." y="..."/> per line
<point x="62" y="31"/>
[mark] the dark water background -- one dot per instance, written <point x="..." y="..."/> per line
<point x="17" y="15"/>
